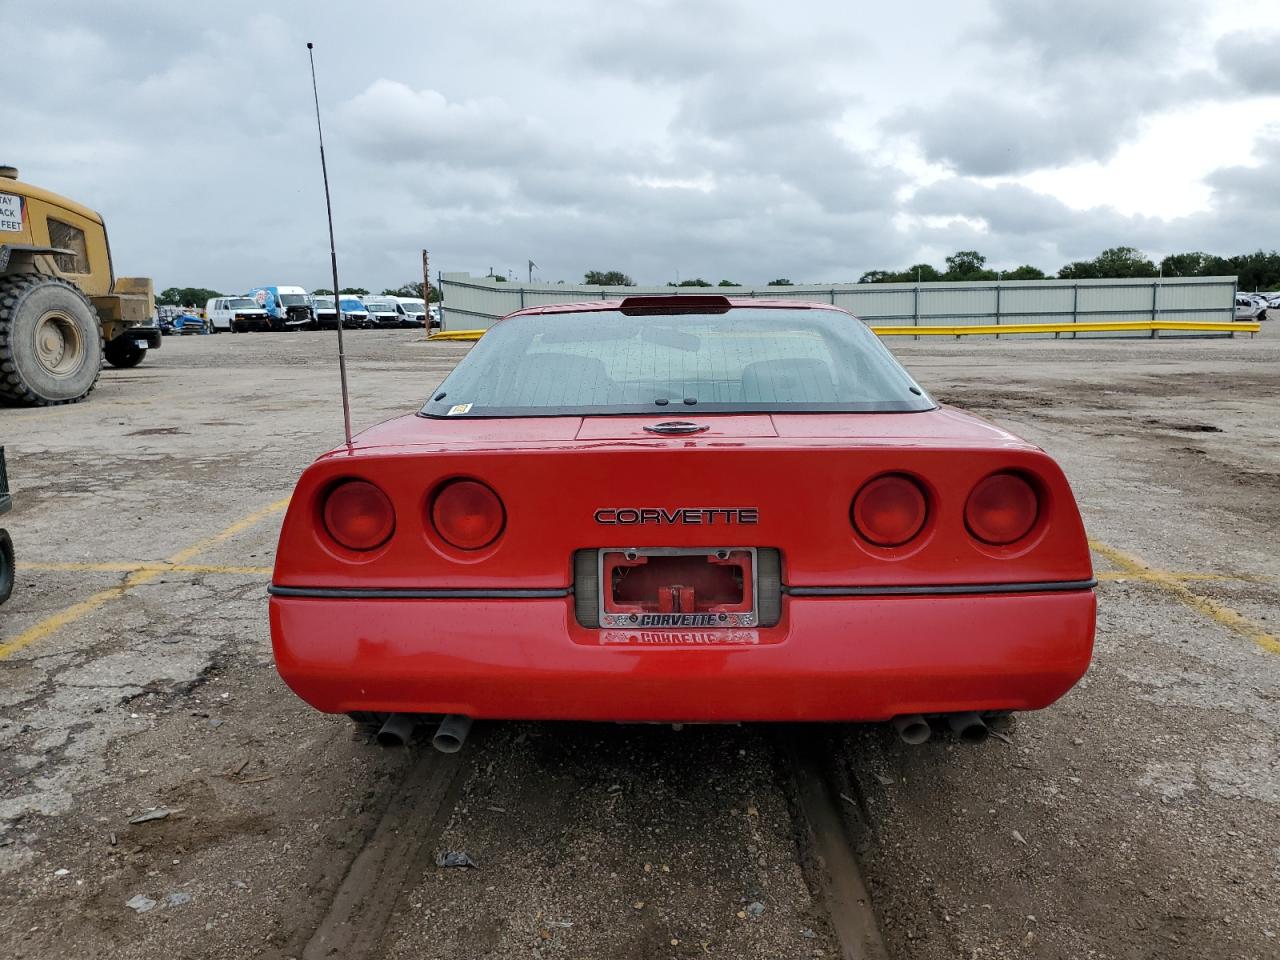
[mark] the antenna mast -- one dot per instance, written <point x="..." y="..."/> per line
<point x="333" y="255"/>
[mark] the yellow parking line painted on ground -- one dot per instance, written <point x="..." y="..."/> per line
<point x="1183" y="576"/>
<point x="182" y="556"/>
<point x="52" y="624"/>
<point x="127" y="567"/>
<point x="1223" y="614"/>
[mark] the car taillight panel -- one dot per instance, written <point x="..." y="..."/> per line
<point x="467" y="514"/>
<point x="358" y="515"/>
<point x="1002" y="509"/>
<point x="890" y="510"/>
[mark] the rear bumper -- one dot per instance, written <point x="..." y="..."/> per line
<point x="830" y="658"/>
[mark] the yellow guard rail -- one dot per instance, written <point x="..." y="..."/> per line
<point x="988" y="329"/>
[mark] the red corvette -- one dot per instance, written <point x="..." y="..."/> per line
<point x="682" y="509"/>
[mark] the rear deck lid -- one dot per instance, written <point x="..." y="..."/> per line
<point x="679" y="422"/>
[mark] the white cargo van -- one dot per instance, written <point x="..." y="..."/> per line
<point x="383" y="311"/>
<point x="237" y="314"/>
<point x="415" y="312"/>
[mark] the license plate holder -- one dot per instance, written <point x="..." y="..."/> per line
<point x="674" y="590"/>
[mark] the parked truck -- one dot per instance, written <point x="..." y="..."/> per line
<point x="62" y="308"/>
<point x="288" y="307"/>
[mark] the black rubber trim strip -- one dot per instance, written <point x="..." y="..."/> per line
<point x="415" y="593"/>
<point x="954" y="589"/>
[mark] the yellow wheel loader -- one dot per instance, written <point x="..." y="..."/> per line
<point x="62" y="308"/>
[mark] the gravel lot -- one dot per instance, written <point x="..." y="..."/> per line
<point x="1136" y="818"/>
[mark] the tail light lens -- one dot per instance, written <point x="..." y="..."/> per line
<point x="1002" y="509"/>
<point x="467" y="514"/>
<point x="358" y="515"/>
<point x="890" y="510"/>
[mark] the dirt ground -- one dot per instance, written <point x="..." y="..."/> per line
<point x="1137" y="818"/>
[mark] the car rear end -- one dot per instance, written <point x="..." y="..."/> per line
<point x="839" y="558"/>
<point x="721" y="578"/>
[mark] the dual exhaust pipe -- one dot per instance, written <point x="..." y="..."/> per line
<point x="914" y="729"/>
<point x="452" y="732"/>
<point x="449" y="737"/>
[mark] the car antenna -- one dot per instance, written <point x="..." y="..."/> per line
<point x="333" y="253"/>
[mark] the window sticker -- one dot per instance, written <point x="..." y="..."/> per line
<point x="459" y="408"/>
<point x="10" y="213"/>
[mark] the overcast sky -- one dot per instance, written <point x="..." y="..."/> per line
<point x="728" y="140"/>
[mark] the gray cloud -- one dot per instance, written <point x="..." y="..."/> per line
<point x="1085" y="32"/>
<point x="1251" y="60"/>
<point x="1075" y="81"/>
<point x="1007" y="208"/>
<point x="738" y="140"/>
<point x="1020" y="225"/>
<point x="987" y="134"/>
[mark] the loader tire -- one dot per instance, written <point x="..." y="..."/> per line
<point x="124" y="353"/>
<point x="50" y="341"/>
<point x="6" y="566"/>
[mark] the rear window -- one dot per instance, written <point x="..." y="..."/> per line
<point x="742" y="360"/>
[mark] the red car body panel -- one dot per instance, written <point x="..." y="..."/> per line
<point x="866" y="658"/>
<point x="944" y="623"/>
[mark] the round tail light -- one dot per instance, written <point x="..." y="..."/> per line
<point x="467" y="514"/>
<point x="890" y="510"/>
<point x="1002" y="509"/>
<point x="358" y="515"/>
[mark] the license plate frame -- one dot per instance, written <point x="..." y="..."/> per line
<point x="676" y="621"/>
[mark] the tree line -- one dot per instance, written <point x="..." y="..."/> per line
<point x="616" y="278"/>
<point x="1256" y="271"/>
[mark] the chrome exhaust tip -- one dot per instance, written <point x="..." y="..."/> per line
<point x="912" y="728"/>
<point x="968" y="727"/>
<point x="452" y="733"/>
<point x="397" y="729"/>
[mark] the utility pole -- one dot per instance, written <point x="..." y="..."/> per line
<point x="426" y="281"/>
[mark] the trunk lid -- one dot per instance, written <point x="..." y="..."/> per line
<point x="784" y="483"/>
